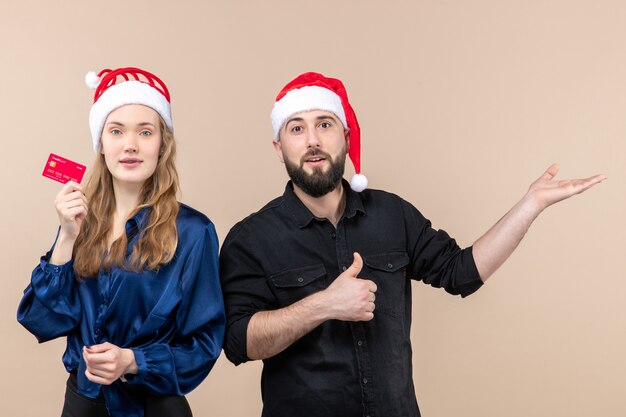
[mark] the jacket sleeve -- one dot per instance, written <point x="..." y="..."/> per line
<point x="50" y="306"/>
<point x="245" y="289"/>
<point x="436" y="259"/>
<point x="178" y="367"/>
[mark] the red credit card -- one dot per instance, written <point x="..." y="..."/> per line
<point x="63" y="170"/>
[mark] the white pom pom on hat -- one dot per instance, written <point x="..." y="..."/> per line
<point x="358" y="182"/>
<point x="92" y="80"/>
<point x="135" y="87"/>
<point x="313" y="91"/>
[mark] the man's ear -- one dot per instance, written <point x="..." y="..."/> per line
<point x="346" y="133"/>
<point x="279" y="150"/>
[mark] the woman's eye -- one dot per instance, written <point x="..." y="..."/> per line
<point x="116" y="132"/>
<point x="145" y="133"/>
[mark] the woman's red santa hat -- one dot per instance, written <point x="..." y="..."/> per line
<point x="313" y="91"/>
<point x="122" y="86"/>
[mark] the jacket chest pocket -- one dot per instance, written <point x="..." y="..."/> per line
<point x="388" y="271"/>
<point x="295" y="284"/>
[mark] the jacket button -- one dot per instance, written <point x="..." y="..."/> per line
<point x="300" y="279"/>
<point x="389" y="265"/>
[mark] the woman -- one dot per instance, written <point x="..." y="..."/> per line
<point x="132" y="279"/>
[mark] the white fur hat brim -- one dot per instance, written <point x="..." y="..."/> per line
<point x="118" y="95"/>
<point x="305" y="99"/>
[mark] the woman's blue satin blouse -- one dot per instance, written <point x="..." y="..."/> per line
<point x="172" y="318"/>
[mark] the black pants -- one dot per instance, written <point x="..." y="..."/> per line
<point x="78" y="406"/>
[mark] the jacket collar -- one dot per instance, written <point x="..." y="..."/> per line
<point x="303" y="216"/>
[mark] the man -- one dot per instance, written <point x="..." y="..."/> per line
<point x="316" y="284"/>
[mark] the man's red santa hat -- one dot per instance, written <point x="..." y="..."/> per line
<point x="313" y="91"/>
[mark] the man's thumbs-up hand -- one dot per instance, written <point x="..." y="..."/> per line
<point x="349" y="297"/>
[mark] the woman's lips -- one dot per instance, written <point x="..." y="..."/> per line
<point x="130" y="162"/>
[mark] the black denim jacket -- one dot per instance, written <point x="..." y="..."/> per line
<point x="283" y="253"/>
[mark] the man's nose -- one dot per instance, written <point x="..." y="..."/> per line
<point x="313" y="140"/>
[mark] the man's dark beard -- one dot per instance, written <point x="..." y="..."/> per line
<point x="318" y="183"/>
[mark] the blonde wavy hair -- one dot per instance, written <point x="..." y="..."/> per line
<point x="158" y="240"/>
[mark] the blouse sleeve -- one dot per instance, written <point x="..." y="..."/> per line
<point x="178" y="367"/>
<point x="50" y="306"/>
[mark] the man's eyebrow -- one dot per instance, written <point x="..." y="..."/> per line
<point x="294" y="119"/>
<point x="326" y="116"/>
<point x="322" y="117"/>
